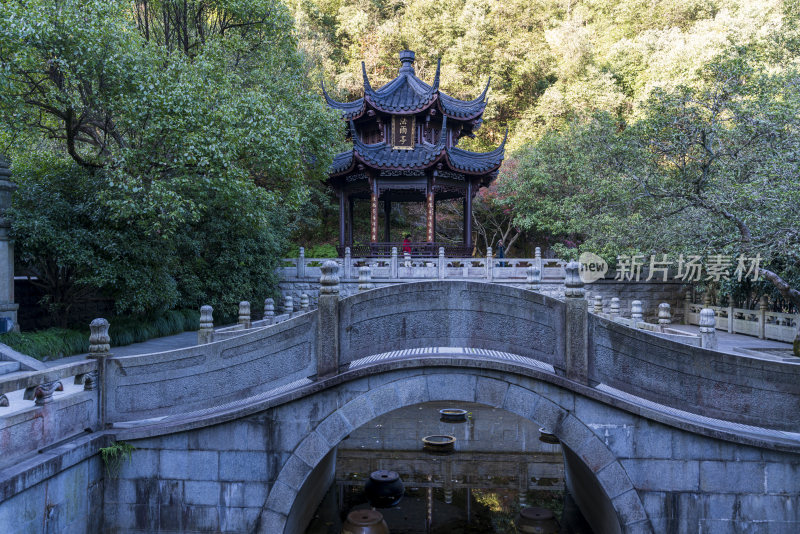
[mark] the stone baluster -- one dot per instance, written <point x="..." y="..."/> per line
<point x="534" y="277"/>
<point x="328" y="325"/>
<point x="687" y="305"/>
<point x="100" y="350"/>
<point x="442" y="263"/>
<point x="576" y="327"/>
<point x="288" y="305"/>
<point x="348" y="264"/>
<point x="730" y="315"/>
<point x="244" y="314"/>
<point x="613" y="309"/>
<point x="393" y="264"/>
<point x="763" y="304"/>
<point x="304" y="303"/>
<point x="269" y="311"/>
<point x="364" y="278"/>
<point x="598" y="304"/>
<point x="636" y="312"/>
<point x="206" y="332"/>
<point x="708" y="329"/>
<point x="664" y="315"/>
<point x="301" y="264"/>
<point x="489" y="264"/>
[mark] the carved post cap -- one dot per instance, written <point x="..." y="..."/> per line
<point x="572" y="282"/>
<point x="636" y="310"/>
<point x="708" y="321"/>
<point x="304" y="302"/>
<point x="394" y="251"/>
<point x="244" y="308"/>
<point x="488" y="252"/>
<point x="598" y="304"/>
<point x="99" y="340"/>
<point x="269" y="307"/>
<point x="329" y="281"/>
<point x="614" y="307"/>
<point x="364" y="278"/>
<point x="441" y="252"/>
<point x="537" y="253"/>
<point x="288" y="304"/>
<point x="534" y="276"/>
<point x="763" y="303"/>
<point x="206" y="317"/>
<point x="664" y="313"/>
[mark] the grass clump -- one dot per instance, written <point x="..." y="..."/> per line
<point x="54" y="343"/>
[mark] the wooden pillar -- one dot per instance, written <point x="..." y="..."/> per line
<point x="430" y="211"/>
<point x="373" y="218"/>
<point x="351" y="207"/>
<point x="387" y="217"/>
<point x="468" y="216"/>
<point x="342" y="211"/>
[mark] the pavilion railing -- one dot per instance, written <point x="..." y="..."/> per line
<point x="405" y="265"/>
<point x="417" y="250"/>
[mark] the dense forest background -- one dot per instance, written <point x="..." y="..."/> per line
<point x="636" y="127"/>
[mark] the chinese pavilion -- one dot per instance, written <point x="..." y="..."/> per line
<point x="404" y="150"/>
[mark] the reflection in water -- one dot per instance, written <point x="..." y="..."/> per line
<point x="499" y="466"/>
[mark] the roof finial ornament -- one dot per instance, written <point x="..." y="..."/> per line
<point x="367" y="87"/>
<point x="435" y="86"/>
<point x="407" y="62"/>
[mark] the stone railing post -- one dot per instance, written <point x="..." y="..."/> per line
<point x="730" y="315"/>
<point x="364" y="278"/>
<point x="244" y="314"/>
<point x="393" y="264"/>
<point x="304" y="303"/>
<point x="664" y="316"/>
<point x="288" y="305"/>
<point x="348" y="264"/>
<point x="537" y="256"/>
<point x="489" y="264"/>
<point x="708" y="329"/>
<point x="8" y="308"/>
<point x="301" y="264"/>
<point x="100" y="350"/>
<point x="636" y="312"/>
<point x="328" y="323"/>
<point x="269" y="311"/>
<point x="534" y="278"/>
<point x="442" y="263"/>
<point x="407" y="259"/>
<point x="687" y="305"/>
<point x="576" y="327"/>
<point x="763" y="304"/>
<point x="598" y="304"/>
<point x="613" y="309"/>
<point x="206" y="332"/>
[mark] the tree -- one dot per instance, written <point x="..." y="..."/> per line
<point x="173" y="110"/>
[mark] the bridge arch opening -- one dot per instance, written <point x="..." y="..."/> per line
<point x="596" y="480"/>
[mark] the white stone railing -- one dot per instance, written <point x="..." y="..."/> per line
<point x="400" y="266"/>
<point x="759" y="323"/>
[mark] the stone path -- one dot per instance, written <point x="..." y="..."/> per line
<point x="158" y="344"/>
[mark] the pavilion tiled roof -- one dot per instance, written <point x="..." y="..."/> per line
<point x="383" y="156"/>
<point x="408" y="94"/>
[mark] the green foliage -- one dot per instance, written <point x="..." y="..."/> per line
<point x="164" y="149"/>
<point x="54" y="343"/>
<point x="114" y="455"/>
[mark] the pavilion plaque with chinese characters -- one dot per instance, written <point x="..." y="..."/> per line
<point x="403" y="132"/>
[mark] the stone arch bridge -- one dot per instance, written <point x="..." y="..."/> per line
<point x="235" y="435"/>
